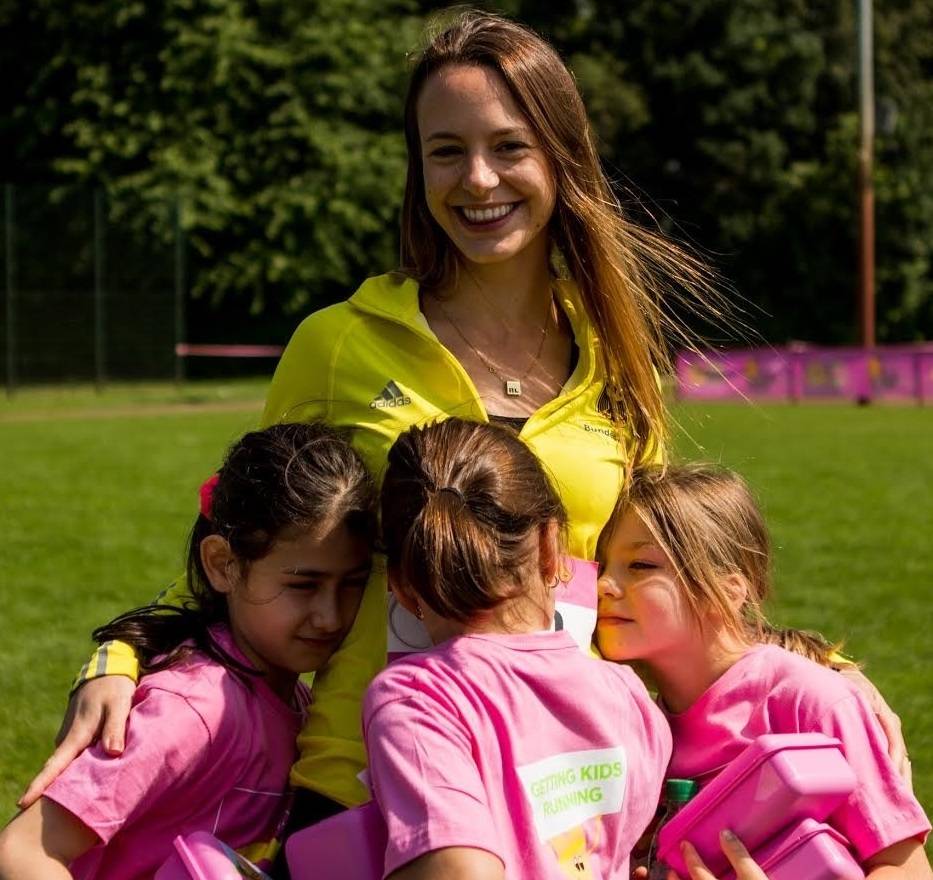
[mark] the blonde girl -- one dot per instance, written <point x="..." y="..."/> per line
<point x="685" y="570"/>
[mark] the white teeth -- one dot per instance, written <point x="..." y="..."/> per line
<point x="486" y="215"/>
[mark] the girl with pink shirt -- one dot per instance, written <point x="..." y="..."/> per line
<point x="504" y="751"/>
<point x="685" y="570"/>
<point x="277" y="563"/>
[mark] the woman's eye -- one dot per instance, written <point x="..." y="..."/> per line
<point x="641" y="565"/>
<point x="512" y="146"/>
<point x="444" y="152"/>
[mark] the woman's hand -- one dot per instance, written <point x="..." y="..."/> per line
<point x="97" y="710"/>
<point x="889" y="721"/>
<point x="745" y="867"/>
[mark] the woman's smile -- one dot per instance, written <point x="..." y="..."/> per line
<point x="485" y="216"/>
<point x="488" y="183"/>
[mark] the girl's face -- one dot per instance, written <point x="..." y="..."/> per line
<point x="295" y="605"/>
<point x="642" y="611"/>
<point x="487" y="182"/>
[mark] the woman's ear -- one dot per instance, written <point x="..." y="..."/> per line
<point x="220" y="563"/>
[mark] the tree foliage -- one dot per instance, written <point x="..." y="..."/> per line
<point x="276" y="125"/>
<point x="745" y="144"/>
<point x="274" y="122"/>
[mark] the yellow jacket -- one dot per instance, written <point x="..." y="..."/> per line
<point x="373" y="364"/>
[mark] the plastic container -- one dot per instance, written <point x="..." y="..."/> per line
<point x="201" y="856"/>
<point x="779" y="780"/>
<point x="348" y="846"/>
<point x="809" y="851"/>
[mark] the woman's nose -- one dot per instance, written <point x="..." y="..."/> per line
<point x="478" y="175"/>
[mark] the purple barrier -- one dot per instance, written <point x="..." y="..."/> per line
<point x="760" y="373"/>
<point x="896" y="373"/>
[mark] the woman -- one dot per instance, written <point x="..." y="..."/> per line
<point x="524" y="297"/>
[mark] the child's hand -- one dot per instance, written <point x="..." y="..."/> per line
<point x="745" y="867"/>
<point x="97" y="710"/>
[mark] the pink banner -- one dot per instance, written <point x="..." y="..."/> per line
<point x="896" y="373"/>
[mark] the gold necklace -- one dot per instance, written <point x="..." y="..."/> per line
<point x="512" y="387"/>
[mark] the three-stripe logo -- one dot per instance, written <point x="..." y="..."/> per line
<point x="390" y="396"/>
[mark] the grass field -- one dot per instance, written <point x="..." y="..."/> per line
<point x="98" y="492"/>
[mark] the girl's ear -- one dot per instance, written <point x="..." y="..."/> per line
<point x="736" y="588"/>
<point x="406" y="598"/>
<point x="549" y="551"/>
<point x="220" y="563"/>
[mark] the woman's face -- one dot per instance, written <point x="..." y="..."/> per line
<point x="487" y="181"/>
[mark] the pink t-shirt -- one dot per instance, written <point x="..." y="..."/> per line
<point x="770" y="690"/>
<point x="204" y="751"/>
<point x="521" y="745"/>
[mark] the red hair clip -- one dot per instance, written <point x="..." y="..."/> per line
<point x="207" y="495"/>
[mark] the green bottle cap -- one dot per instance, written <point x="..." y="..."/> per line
<point x="679" y="791"/>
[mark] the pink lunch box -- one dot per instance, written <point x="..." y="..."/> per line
<point x="808" y="851"/>
<point x="348" y="846"/>
<point x="201" y="856"/>
<point x="779" y="780"/>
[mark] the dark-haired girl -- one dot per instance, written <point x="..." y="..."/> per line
<point x="277" y="563"/>
<point x="503" y="751"/>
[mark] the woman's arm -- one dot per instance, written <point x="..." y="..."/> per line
<point x="453" y="863"/>
<point x="98" y="709"/>
<point x="890" y="722"/>
<point x="41" y="842"/>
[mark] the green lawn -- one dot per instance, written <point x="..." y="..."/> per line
<point x="95" y="509"/>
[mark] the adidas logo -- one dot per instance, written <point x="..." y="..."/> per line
<point x="390" y="396"/>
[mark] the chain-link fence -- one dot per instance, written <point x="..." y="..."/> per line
<point x="87" y="294"/>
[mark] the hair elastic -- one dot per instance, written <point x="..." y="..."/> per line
<point x="454" y="491"/>
<point x="206" y="493"/>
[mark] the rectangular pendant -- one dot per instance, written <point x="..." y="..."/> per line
<point x="513" y="388"/>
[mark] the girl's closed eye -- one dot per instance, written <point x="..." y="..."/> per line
<point x="643" y="565"/>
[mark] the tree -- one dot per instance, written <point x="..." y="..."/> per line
<point x="274" y="122"/>
<point x="735" y="126"/>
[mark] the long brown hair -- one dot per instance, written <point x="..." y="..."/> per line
<point x="708" y="523"/>
<point x="624" y="272"/>
<point x="303" y="475"/>
<point x="460" y="504"/>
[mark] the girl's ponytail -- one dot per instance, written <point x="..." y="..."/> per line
<point x="304" y="476"/>
<point x="804" y="642"/>
<point x="460" y="501"/>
